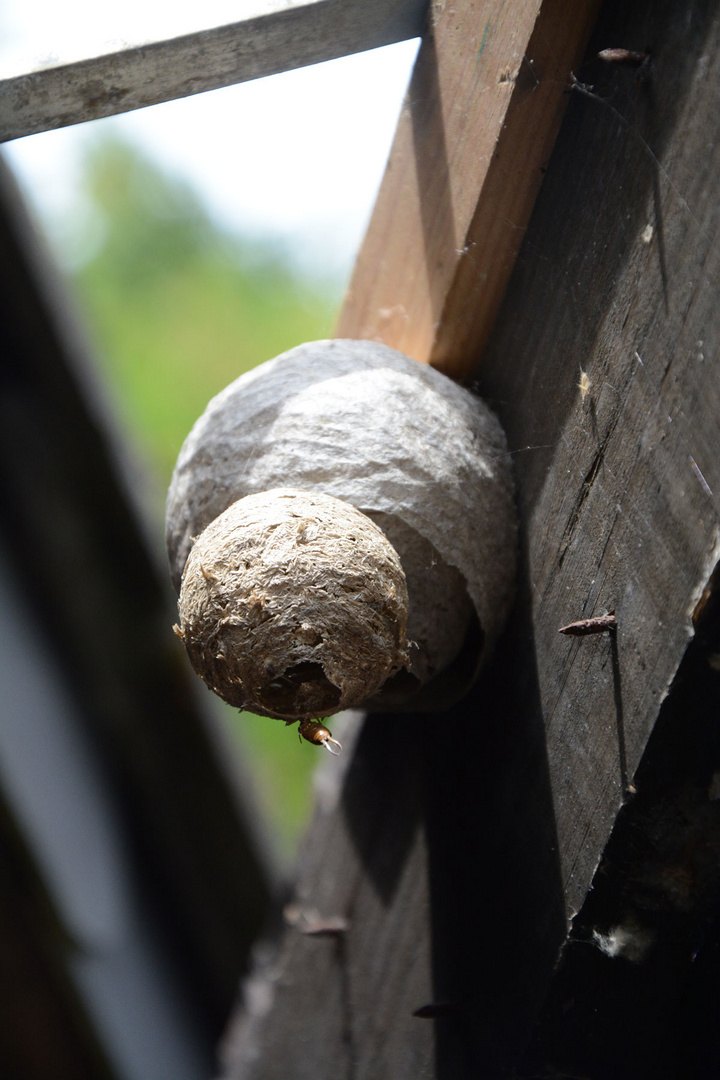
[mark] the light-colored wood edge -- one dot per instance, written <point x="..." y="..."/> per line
<point x="481" y="115"/>
<point x="296" y="35"/>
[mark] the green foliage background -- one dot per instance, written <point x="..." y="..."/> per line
<point x="178" y="308"/>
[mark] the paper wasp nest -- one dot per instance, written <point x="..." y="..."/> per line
<point x="419" y="456"/>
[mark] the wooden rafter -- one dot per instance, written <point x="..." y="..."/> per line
<point x="297" y="33"/>
<point x="483" y="110"/>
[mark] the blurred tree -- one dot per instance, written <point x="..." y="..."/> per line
<point x="179" y="308"/>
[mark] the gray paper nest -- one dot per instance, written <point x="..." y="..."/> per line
<point x="420" y="455"/>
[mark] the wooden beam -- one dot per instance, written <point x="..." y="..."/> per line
<point x="483" y="110"/>
<point x="505" y="805"/>
<point x="296" y="34"/>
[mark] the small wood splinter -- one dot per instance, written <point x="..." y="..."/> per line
<point x="438" y="1009"/>
<point x="312" y="924"/>
<point x="325" y="928"/>
<point x="598" y="624"/>
<point x="624" y="57"/>
<point x="584" y="386"/>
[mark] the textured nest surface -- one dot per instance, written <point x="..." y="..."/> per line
<point x="423" y="457"/>
<point x="294" y="605"/>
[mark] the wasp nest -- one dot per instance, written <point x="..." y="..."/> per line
<point x="422" y="457"/>
<point x="293" y="605"/>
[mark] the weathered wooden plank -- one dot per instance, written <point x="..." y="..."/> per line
<point x="481" y="116"/>
<point x="626" y="290"/>
<point x="635" y="992"/>
<point x="359" y="862"/>
<point x="297" y="34"/>
<point x="617" y="489"/>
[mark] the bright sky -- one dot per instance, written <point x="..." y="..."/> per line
<point x="298" y="155"/>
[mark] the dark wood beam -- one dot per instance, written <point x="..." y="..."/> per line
<point x="462" y="845"/>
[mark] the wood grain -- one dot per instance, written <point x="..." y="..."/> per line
<point x="618" y="484"/>
<point x="298" y="33"/>
<point x="483" y="109"/>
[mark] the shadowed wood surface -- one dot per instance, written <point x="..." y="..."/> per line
<point x="462" y="844"/>
<point x="636" y="990"/>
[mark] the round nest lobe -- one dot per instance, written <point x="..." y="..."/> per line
<point x="294" y="605"/>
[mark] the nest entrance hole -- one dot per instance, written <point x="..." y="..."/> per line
<point x="282" y="693"/>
